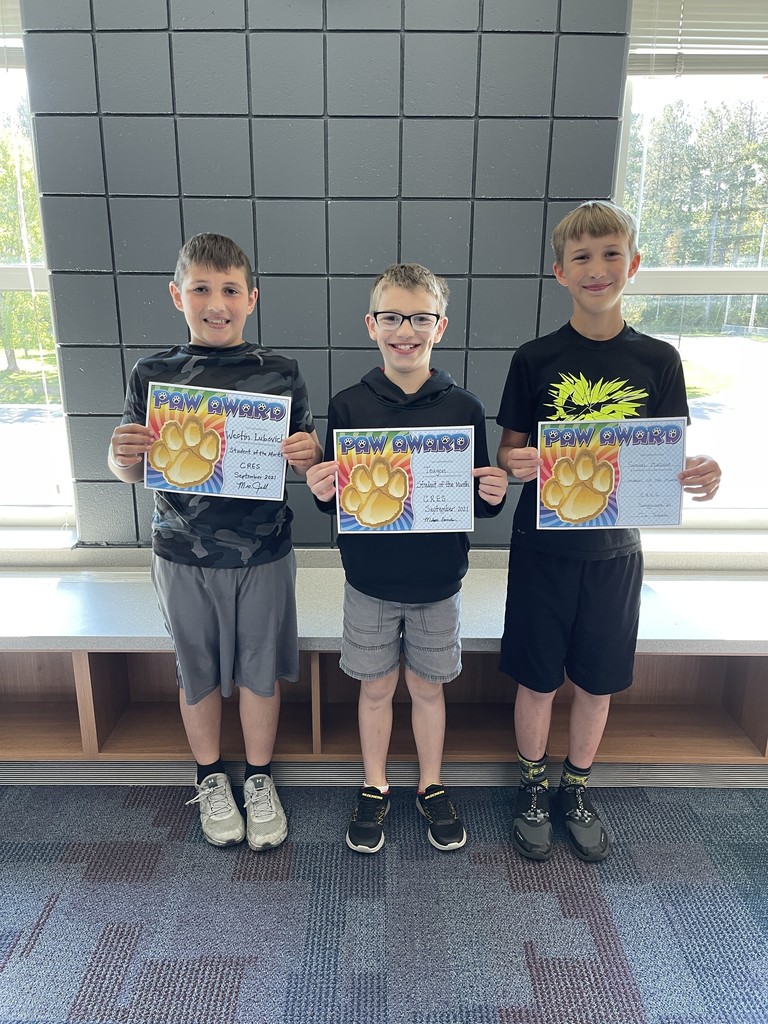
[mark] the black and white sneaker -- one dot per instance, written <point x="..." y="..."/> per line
<point x="531" y="827"/>
<point x="445" y="831"/>
<point x="586" y="835"/>
<point x="365" y="833"/>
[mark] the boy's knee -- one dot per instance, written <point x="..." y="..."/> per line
<point x="378" y="691"/>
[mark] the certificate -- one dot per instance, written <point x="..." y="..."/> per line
<point x="415" y="480"/>
<point x="602" y="474"/>
<point x="224" y="443"/>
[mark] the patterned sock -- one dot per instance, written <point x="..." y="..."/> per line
<point x="204" y="770"/>
<point x="257" y="769"/>
<point x="533" y="773"/>
<point x="573" y="776"/>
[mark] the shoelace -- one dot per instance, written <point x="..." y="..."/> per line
<point x="259" y="803"/>
<point x="369" y="808"/>
<point x="217" y="799"/>
<point x="439" y="808"/>
<point x="580" y="812"/>
<point x="534" y="812"/>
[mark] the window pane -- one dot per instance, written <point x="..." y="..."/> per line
<point x="723" y="342"/>
<point x="697" y="175"/>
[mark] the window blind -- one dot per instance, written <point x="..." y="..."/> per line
<point x="698" y="37"/>
<point x="10" y="29"/>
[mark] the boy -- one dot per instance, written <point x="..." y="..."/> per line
<point x="223" y="568"/>
<point x="402" y="591"/>
<point x="573" y="596"/>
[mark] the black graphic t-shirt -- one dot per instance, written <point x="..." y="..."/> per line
<point x="565" y="376"/>
<point x="198" y="529"/>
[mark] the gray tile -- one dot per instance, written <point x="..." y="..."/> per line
<point x="438" y="157"/>
<point x="134" y="72"/>
<point x="578" y="94"/>
<point x="520" y="15"/>
<point x="200" y="86"/>
<point x="290" y="237"/>
<point x="486" y="374"/>
<point x="348" y="366"/>
<point x="294" y="312"/>
<point x="85" y="312"/>
<point x="595" y="16"/>
<point x="507" y="237"/>
<point x="362" y="236"/>
<point x="214" y="156"/>
<point x="516" y="75"/>
<point x="494" y="533"/>
<point x="105" y="513"/>
<point x="60" y="73"/>
<point x="364" y="14"/>
<point x="140" y="155"/>
<point x="456" y="15"/>
<point x="512" y="158"/>
<point x="556" y="306"/>
<point x="231" y="217"/>
<point x="363" y="157"/>
<point x="143" y="14"/>
<point x="287" y="73"/>
<point x="436" y="234"/>
<point x="92" y="380"/>
<point x="583" y="159"/>
<point x="456" y="332"/>
<point x="76" y="233"/>
<point x="289" y="157"/>
<point x="146" y="234"/>
<point x="145" y="506"/>
<point x="350" y="298"/>
<point x="310" y="526"/>
<point x="440" y="75"/>
<point x="147" y="313"/>
<point x="68" y="154"/>
<point x="199" y="14"/>
<point x="297" y="14"/>
<point x="39" y="15"/>
<point x="504" y="312"/>
<point x="452" y="361"/>
<point x="555" y="213"/>
<point x="364" y="74"/>
<point x="89" y="438"/>
<point x="313" y="364"/>
<point x="131" y="356"/>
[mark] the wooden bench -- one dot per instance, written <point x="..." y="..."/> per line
<point x="87" y="675"/>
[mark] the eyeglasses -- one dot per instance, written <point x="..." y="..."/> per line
<point x="418" y="321"/>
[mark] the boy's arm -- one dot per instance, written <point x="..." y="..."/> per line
<point x="701" y="477"/>
<point x="516" y="457"/>
<point x="302" y="451"/>
<point x="127" y="447"/>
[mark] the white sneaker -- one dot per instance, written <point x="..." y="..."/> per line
<point x="267" y="824"/>
<point x="221" y="821"/>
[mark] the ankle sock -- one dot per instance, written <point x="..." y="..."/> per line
<point x="257" y="769"/>
<point x="573" y="776"/>
<point x="533" y="773"/>
<point x="203" y="770"/>
<point x="382" y="789"/>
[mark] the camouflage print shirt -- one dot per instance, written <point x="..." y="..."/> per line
<point x="198" y="529"/>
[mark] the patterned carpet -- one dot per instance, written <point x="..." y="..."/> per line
<point x="113" y="910"/>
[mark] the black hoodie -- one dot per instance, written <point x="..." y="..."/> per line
<point x="410" y="568"/>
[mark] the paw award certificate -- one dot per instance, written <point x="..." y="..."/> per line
<point x="220" y="443"/>
<point x="600" y="474"/>
<point x="416" y="480"/>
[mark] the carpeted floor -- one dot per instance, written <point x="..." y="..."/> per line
<point x="113" y="910"/>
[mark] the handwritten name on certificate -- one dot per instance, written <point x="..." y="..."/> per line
<point x="597" y="475"/>
<point x="416" y="480"/>
<point x="220" y="443"/>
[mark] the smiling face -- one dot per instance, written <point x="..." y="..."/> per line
<point x="595" y="271"/>
<point x="406" y="351"/>
<point x="215" y="305"/>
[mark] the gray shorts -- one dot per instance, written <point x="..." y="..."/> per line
<point x="230" y="627"/>
<point x="376" y="631"/>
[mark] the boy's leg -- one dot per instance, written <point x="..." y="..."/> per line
<point x="202" y="724"/>
<point x="374" y="717"/>
<point x="428" y="723"/>
<point x="259" y="716"/>
<point x="531" y="825"/>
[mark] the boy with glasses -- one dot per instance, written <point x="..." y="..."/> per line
<point x="402" y="589"/>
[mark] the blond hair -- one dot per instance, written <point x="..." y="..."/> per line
<point x="597" y="217"/>
<point x="413" y="277"/>
<point x="215" y="252"/>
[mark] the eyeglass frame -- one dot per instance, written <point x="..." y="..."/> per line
<point x="392" y="312"/>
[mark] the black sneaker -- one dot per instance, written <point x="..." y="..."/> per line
<point x="531" y="828"/>
<point x="445" y="831"/>
<point x="365" y="834"/>
<point x="586" y="835"/>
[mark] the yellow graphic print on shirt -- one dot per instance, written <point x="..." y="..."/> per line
<point x="576" y="398"/>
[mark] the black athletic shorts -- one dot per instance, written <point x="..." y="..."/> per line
<point x="571" y="616"/>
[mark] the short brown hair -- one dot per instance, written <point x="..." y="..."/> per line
<point x="597" y="218"/>
<point x="216" y="252"/>
<point x="413" y="277"/>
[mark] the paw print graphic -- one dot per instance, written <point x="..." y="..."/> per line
<point x="185" y="453"/>
<point x="579" y="488"/>
<point x="375" y="496"/>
